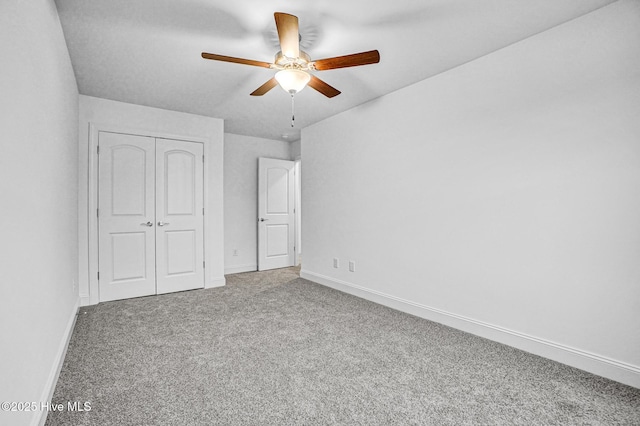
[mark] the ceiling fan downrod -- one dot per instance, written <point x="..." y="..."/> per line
<point x="293" y="116"/>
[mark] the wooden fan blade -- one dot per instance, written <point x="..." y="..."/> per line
<point x="287" y="26"/>
<point x="265" y="87"/>
<point x="354" y="60"/>
<point x="322" y="87"/>
<point x="215" y="57"/>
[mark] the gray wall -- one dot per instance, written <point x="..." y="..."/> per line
<point x="501" y="197"/>
<point x="39" y="192"/>
<point x="296" y="150"/>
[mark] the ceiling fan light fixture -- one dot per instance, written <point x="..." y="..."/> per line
<point x="294" y="63"/>
<point x="292" y="80"/>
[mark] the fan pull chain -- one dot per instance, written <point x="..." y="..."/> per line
<point x="293" y="116"/>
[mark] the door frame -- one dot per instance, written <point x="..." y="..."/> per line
<point x="94" y="131"/>
<point x="298" y="210"/>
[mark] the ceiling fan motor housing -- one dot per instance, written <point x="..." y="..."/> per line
<point x="302" y="62"/>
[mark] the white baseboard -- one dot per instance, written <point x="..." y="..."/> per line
<point x="85" y="300"/>
<point x="50" y="386"/>
<point x="216" y="282"/>
<point x="251" y="267"/>
<point x="593" y="363"/>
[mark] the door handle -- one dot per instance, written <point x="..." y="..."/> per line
<point x="162" y="223"/>
<point x="147" y="224"/>
<point x="262" y="219"/>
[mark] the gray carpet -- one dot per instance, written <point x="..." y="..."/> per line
<point x="272" y="348"/>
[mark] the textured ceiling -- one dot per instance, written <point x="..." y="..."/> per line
<point x="147" y="52"/>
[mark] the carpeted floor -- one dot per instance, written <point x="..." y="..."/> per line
<point x="272" y="348"/>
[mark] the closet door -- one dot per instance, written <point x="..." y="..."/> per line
<point x="179" y="216"/>
<point x="126" y="210"/>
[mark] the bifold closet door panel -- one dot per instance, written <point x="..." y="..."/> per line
<point x="126" y="210"/>
<point x="179" y="216"/>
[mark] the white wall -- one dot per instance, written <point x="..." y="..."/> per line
<point x="296" y="149"/>
<point x="501" y="197"/>
<point x="241" y="155"/>
<point x="38" y="189"/>
<point x="155" y="122"/>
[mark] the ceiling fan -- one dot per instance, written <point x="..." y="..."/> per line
<point x="294" y="64"/>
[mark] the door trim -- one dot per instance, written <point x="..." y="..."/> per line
<point x="297" y="192"/>
<point x="94" y="129"/>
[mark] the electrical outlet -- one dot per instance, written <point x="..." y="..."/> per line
<point x="235" y="252"/>
<point x="352" y="265"/>
<point x="336" y="262"/>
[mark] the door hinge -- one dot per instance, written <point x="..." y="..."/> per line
<point x="98" y="275"/>
<point x="203" y="158"/>
<point x="97" y="212"/>
<point x="98" y="148"/>
<point x="203" y="264"/>
<point x="203" y="211"/>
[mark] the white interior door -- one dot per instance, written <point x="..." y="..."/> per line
<point x="126" y="201"/>
<point x="151" y="217"/>
<point x="179" y="216"/>
<point x="276" y="220"/>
